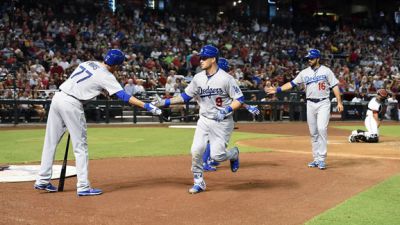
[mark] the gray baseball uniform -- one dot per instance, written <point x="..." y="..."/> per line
<point x="66" y="112"/>
<point x="215" y="93"/>
<point x="318" y="83"/>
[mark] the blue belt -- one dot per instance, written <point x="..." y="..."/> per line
<point x="315" y="100"/>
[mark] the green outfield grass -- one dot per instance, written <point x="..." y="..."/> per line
<point x="385" y="130"/>
<point x="379" y="205"/>
<point x="376" y="206"/>
<point x="21" y="146"/>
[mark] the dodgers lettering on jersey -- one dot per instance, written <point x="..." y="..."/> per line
<point x="373" y="105"/>
<point x="318" y="82"/>
<point x="213" y="93"/>
<point x="88" y="80"/>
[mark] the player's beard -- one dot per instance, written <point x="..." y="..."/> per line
<point x="313" y="64"/>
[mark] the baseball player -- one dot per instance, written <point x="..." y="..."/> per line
<point x="208" y="163"/>
<point x="318" y="80"/>
<point x="372" y="121"/>
<point x="219" y="96"/>
<point x="66" y="112"/>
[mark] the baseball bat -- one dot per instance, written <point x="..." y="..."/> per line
<point x="64" y="167"/>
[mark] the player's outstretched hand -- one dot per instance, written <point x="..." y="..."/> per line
<point x="270" y="90"/>
<point x="253" y="109"/>
<point x="152" y="108"/>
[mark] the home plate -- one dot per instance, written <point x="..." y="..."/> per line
<point x="183" y="126"/>
<point x="20" y="173"/>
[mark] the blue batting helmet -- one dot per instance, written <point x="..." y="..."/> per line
<point x="223" y="64"/>
<point x="313" y="53"/>
<point x="209" y="51"/>
<point x="114" y="57"/>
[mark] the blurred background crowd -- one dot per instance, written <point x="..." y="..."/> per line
<point x="42" y="42"/>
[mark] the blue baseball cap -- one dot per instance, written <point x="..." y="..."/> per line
<point x="313" y="53"/>
<point x="114" y="57"/>
<point x="209" y="51"/>
<point x="223" y="64"/>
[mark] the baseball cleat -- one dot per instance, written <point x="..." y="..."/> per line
<point x="46" y="187"/>
<point x="207" y="167"/>
<point x="90" y="192"/>
<point x="235" y="164"/>
<point x="213" y="163"/>
<point x="313" y="164"/>
<point x="196" y="189"/>
<point x="321" y="165"/>
<point x="352" y="139"/>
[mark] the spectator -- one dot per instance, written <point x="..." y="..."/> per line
<point x="130" y="87"/>
<point x="25" y="109"/>
<point x="139" y="89"/>
<point x="357" y="98"/>
<point x="392" y="106"/>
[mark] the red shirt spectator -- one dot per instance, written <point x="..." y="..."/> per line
<point x="195" y="60"/>
<point x="162" y="80"/>
<point x="56" y="69"/>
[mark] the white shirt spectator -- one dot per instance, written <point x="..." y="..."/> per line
<point x="130" y="87"/>
<point x="64" y="64"/>
<point x="356" y="99"/>
<point x="38" y="68"/>
<point x="155" y="54"/>
<point x="391" y="105"/>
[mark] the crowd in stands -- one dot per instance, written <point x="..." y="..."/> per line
<point x="41" y="44"/>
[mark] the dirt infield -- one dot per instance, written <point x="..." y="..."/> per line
<point x="269" y="188"/>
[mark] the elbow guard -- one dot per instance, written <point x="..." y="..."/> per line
<point x="186" y="98"/>
<point x="123" y="96"/>
<point x="241" y="99"/>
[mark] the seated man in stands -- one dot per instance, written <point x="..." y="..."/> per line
<point x="174" y="109"/>
<point x="5" y="113"/>
<point x="268" y="109"/>
<point x="25" y="109"/>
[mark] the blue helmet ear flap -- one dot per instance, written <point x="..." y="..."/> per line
<point x="114" y="57"/>
<point x="223" y="64"/>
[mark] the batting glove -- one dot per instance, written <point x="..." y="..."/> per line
<point x="253" y="109"/>
<point x="158" y="101"/>
<point x="153" y="109"/>
<point x="223" y="113"/>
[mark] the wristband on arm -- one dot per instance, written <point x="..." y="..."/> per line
<point x="228" y="109"/>
<point x="167" y="102"/>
